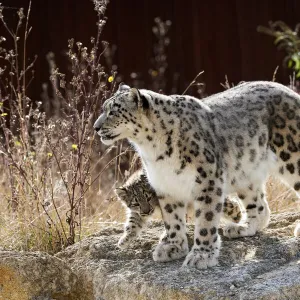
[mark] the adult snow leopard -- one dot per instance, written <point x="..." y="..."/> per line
<point x="200" y="151"/>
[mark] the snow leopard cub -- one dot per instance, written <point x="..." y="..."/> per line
<point x="142" y="202"/>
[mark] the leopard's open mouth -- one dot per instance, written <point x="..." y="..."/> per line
<point x="107" y="137"/>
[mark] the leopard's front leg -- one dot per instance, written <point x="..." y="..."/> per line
<point x="174" y="244"/>
<point x="208" y="209"/>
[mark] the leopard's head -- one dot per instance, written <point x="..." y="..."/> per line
<point x="123" y="115"/>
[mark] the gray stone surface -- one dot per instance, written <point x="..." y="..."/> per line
<point x="266" y="266"/>
<point x="37" y="276"/>
<point x="261" y="267"/>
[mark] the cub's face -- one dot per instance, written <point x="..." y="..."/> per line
<point x="121" y="115"/>
<point x="135" y="201"/>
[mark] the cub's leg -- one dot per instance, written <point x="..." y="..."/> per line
<point x="208" y="210"/>
<point x="135" y="222"/>
<point x="257" y="213"/>
<point x="173" y="245"/>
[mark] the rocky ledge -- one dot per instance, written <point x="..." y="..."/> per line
<point x="266" y="266"/>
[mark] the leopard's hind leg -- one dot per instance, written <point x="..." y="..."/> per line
<point x="289" y="173"/>
<point x="286" y="145"/>
<point x="257" y="213"/>
<point x="232" y="210"/>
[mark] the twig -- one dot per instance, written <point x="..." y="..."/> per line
<point x="226" y="85"/>
<point x="274" y="74"/>
<point x="193" y="82"/>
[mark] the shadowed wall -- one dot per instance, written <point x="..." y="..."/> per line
<point x="219" y="37"/>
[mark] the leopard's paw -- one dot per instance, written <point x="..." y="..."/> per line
<point x="200" y="259"/>
<point x="297" y="230"/>
<point x="166" y="251"/>
<point x="234" y="231"/>
<point x="125" y="240"/>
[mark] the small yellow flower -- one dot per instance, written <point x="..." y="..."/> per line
<point x="154" y="73"/>
<point x="3" y="114"/>
<point x="17" y="143"/>
<point x="110" y="79"/>
<point x="74" y="147"/>
<point x="49" y="154"/>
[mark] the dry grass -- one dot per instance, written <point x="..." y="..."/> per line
<point x="281" y="197"/>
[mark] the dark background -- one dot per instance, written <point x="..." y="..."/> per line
<point x="217" y="36"/>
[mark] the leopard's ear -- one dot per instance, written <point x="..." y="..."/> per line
<point x="123" y="88"/>
<point x="139" y="99"/>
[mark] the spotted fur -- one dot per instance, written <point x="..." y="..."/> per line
<point x="142" y="202"/>
<point x="200" y="151"/>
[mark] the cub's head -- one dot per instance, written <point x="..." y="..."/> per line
<point x="123" y="115"/>
<point x="135" y="200"/>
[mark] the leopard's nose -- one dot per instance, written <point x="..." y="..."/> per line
<point x="99" y="122"/>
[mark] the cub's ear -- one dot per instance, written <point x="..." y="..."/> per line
<point x="121" y="192"/>
<point x="139" y="99"/>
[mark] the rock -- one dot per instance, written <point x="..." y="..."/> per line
<point x="37" y="276"/>
<point x="260" y="267"/>
<point x="265" y="266"/>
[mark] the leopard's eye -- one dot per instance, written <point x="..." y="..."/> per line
<point x="107" y="109"/>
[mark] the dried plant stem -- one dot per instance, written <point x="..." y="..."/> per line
<point x="194" y="81"/>
<point x="274" y="74"/>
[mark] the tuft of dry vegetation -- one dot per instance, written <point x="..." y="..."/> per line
<point x="51" y="162"/>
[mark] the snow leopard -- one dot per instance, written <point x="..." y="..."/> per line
<point x="142" y="202"/>
<point x="199" y="151"/>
